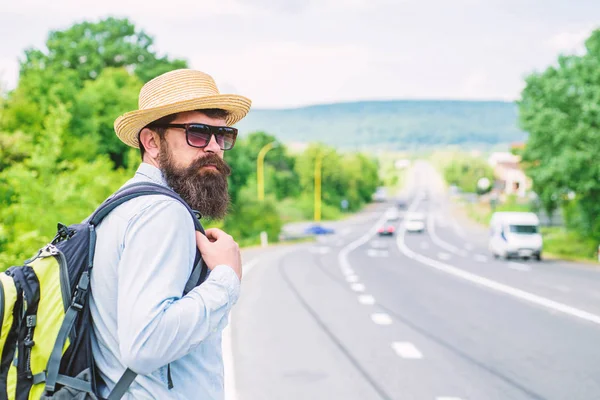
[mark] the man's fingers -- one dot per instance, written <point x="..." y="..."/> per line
<point x="214" y="234"/>
<point x="201" y="240"/>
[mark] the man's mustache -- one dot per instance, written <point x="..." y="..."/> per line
<point x="210" y="159"/>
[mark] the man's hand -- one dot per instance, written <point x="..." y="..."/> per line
<point x="217" y="247"/>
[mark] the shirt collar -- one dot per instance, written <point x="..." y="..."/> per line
<point x="152" y="173"/>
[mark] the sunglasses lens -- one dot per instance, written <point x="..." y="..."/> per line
<point x="226" y="138"/>
<point x="198" y="135"/>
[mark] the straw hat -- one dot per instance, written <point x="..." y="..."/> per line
<point x="178" y="91"/>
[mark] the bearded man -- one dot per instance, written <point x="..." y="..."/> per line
<point x="146" y="247"/>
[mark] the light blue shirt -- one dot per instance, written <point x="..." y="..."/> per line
<point x="145" y="252"/>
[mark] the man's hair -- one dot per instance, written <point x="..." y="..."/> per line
<point x="209" y="112"/>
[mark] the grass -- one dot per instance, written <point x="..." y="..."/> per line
<point x="560" y="243"/>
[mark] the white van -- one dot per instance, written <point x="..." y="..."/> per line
<point x="515" y="234"/>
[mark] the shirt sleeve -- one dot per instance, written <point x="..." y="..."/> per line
<point x="155" y="324"/>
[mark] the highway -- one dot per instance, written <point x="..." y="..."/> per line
<point x="423" y="316"/>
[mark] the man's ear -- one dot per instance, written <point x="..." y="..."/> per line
<point x="149" y="139"/>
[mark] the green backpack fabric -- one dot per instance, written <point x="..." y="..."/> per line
<point x="45" y="334"/>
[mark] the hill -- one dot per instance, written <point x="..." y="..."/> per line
<point x="401" y="124"/>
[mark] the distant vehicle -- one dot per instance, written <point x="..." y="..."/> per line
<point x="402" y="204"/>
<point x="515" y="234"/>
<point x="415" y="222"/>
<point x="318" y="230"/>
<point x="386" y="229"/>
<point x="392" y="214"/>
<point x="380" y="194"/>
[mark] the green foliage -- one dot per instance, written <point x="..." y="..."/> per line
<point x="465" y="171"/>
<point x="95" y="109"/>
<point x="250" y="217"/>
<point x="60" y="157"/>
<point x="560" y="108"/>
<point x="568" y="244"/>
<point x="56" y="74"/>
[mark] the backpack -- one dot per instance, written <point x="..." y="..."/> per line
<point x="46" y="328"/>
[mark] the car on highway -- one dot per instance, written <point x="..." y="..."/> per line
<point x="402" y="204"/>
<point x="319" y="230"/>
<point x="415" y="222"/>
<point x="387" y="229"/>
<point x="515" y="234"/>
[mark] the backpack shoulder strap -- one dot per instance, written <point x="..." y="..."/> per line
<point x="136" y="190"/>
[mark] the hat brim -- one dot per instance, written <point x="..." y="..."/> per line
<point x="128" y="125"/>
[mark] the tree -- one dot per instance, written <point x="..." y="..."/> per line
<point x="95" y="109"/>
<point x="71" y="58"/>
<point x="560" y="108"/>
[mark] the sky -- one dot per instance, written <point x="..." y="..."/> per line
<point x="291" y="53"/>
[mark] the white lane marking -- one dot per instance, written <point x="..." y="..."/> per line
<point x="447" y="398"/>
<point x="518" y="266"/>
<point x="458" y="229"/>
<point x="227" y="344"/>
<point x="436" y="239"/>
<point x="343" y="254"/>
<point x="378" y="244"/>
<point x="366" y="299"/>
<point x="407" y="350"/>
<point x="444" y="256"/>
<point x="424" y="245"/>
<point x="381" y="319"/>
<point x="358" y="287"/>
<point x="352" y="278"/>
<point x="320" y="250"/>
<point x="509" y="290"/>
<point x="377" y="253"/>
<point x="480" y="258"/>
<point x="348" y="272"/>
<point x="229" y="370"/>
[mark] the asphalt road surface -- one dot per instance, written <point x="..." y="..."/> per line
<point x="428" y="316"/>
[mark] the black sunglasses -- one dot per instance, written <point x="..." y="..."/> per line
<point x="198" y="135"/>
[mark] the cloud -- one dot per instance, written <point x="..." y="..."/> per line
<point x="9" y="74"/>
<point x="569" y="41"/>
<point x="285" y="74"/>
<point x="474" y="85"/>
<point x="139" y="8"/>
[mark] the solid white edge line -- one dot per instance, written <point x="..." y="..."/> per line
<point x="436" y="239"/>
<point x="230" y="389"/>
<point x="500" y="287"/>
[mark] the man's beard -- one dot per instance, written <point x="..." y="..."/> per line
<point x="205" y="190"/>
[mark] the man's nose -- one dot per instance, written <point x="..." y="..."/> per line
<point x="212" y="145"/>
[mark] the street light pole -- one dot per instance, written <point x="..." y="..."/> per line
<point x="260" y="169"/>
<point x="318" y="163"/>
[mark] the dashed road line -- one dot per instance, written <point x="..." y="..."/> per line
<point x="352" y="278"/>
<point x="407" y="350"/>
<point x="444" y="256"/>
<point x="358" y="287"/>
<point x="381" y="319"/>
<point x="366" y="299"/>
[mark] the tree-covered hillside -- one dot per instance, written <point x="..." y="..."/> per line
<point x="392" y="124"/>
